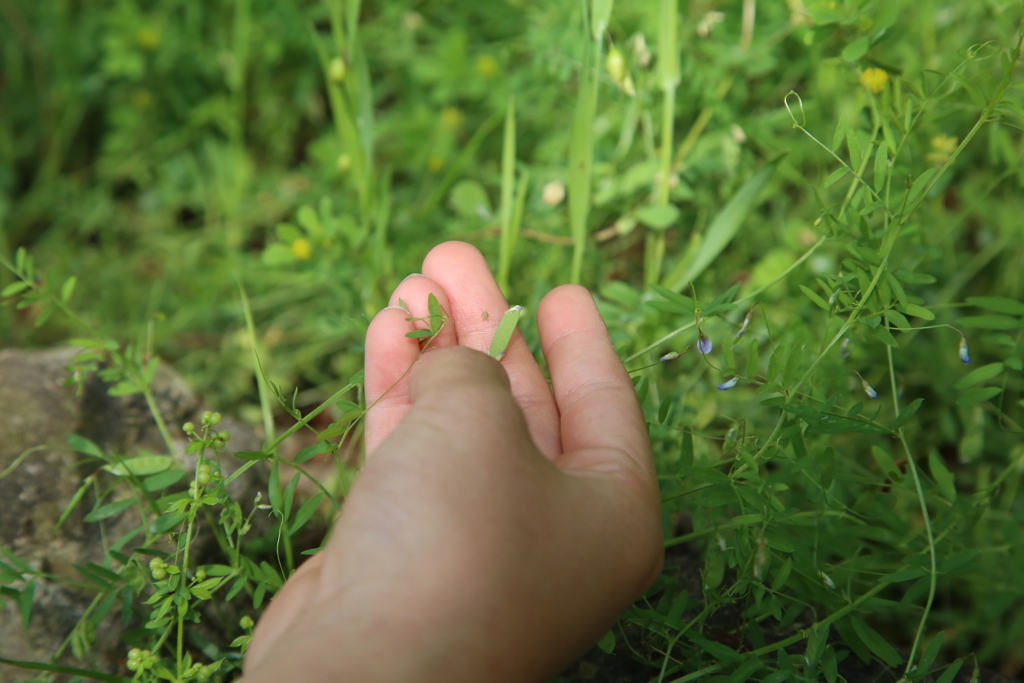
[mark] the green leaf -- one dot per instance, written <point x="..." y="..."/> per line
<point x="745" y="671"/>
<point x="982" y="374"/>
<point x="876" y="643"/>
<point x="304" y="513"/>
<point x="721" y="231"/>
<point x="14" y="288"/>
<point x="67" y="289"/>
<point x="469" y="199"/>
<point x="251" y="455"/>
<point x="310" y="452"/>
<point x="607" y="642"/>
<point x="813" y="296"/>
<point x="897" y="320"/>
<point x="931" y="652"/>
<point x="881" y="166"/>
<point x="25" y="604"/>
<point x="82" y="445"/>
<point x="907" y="413"/>
<point x="436" y="315"/>
<point x="918" y="187"/>
<point x="86" y="674"/>
<point x="885" y="462"/>
<point x="857" y="49"/>
<point x="503" y="334"/>
<point x="883" y="334"/>
<point x="998" y="304"/>
<point x="341" y="426"/>
<point x="950" y="673"/>
<point x="752" y="361"/>
<point x="943" y="477"/>
<point x="836" y="175"/>
<point x="977" y="396"/>
<point x="109" y="510"/>
<point x="856" y="146"/>
<point x="420" y="334"/>
<point x="658" y="217"/>
<point x="990" y="322"/>
<point x="686" y="450"/>
<point x="839" y="425"/>
<point x="903" y="575"/>
<point x="717" y="650"/>
<point x="141" y="466"/>
<point x="277" y="254"/>
<point x="919" y="312"/>
<point x="840" y="134"/>
<point x="674" y="302"/>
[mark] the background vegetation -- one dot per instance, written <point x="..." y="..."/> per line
<point x="844" y="175"/>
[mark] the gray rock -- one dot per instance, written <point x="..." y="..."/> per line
<point x="40" y="474"/>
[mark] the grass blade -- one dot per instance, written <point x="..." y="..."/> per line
<point x="508" y="181"/>
<point x="721" y="231"/>
<point x="503" y="335"/>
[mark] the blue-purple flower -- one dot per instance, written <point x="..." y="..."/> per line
<point x="965" y="355"/>
<point x="704" y="344"/>
<point x="671" y="355"/>
<point x="746" y="323"/>
<point x="728" y="384"/>
<point x="844" y="350"/>
<point x="868" y="389"/>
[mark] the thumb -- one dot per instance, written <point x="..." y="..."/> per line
<point x="457" y="390"/>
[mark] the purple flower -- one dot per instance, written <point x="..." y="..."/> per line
<point x="965" y="355"/>
<point x="704" y="344"/>
<point x="728" y="384"/>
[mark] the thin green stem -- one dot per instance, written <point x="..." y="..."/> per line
<point x="933" y="569"/>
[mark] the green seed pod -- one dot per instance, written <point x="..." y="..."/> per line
<point x="246" y="622"/>
<point x="337" y="70"/>
<point x="215" y="419"/>
<point x="224" y="436"/>
<point x="203" y="475"/>
<point x="615" y="63"/>
<point x="188" y="428"/>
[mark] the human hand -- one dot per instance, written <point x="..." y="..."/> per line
<point x="499" y="526"/>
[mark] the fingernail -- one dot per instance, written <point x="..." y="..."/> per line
<point x="412" y="275"/>
<point x="396" y="308"/>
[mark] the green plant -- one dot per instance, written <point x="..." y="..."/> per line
<point x="825" y="193"/>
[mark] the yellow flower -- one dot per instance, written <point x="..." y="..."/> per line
<point x="942" y="147"/>
<point x="486" y="66"/>
<point x="302" y="249"/>
<point x="451" y="117"/>
<point x="148" y="37"/>
<point x="874" y="79"/>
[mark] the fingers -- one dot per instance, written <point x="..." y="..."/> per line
<point x="477" y="306"/>
<point x="390" y="354"/>
<point x="595" y="396"/>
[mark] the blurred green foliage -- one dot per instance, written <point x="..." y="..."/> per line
<point x="166" y="152"/>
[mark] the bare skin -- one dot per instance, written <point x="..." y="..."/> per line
<point x="500" y="525"/>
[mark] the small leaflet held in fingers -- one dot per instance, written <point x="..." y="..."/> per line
<point x="503" y="335"/>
